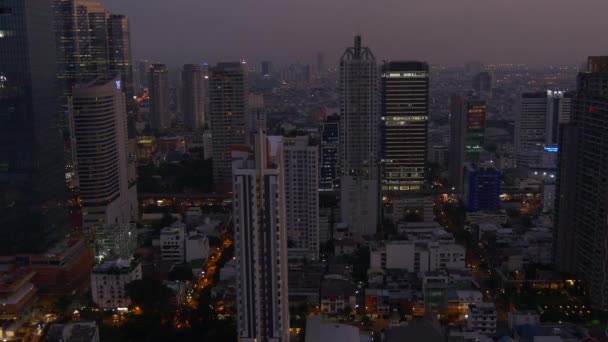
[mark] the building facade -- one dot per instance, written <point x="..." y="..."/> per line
<point x="329" y="154"/>
<point x="358" y="90"/>
<point x="99" y="118"/>
<point x="32" y="178"/>
<point x="582" y="232"/>
<point x="537" y="127"/>
<point x="301" y="168"/>
<point x="481" y="187"/>
<point x="404" y="125"/>
<point x="260" y="241"/>
<point x="228" y="99"/>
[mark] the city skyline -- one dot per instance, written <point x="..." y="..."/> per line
<point x="469" y="30"/>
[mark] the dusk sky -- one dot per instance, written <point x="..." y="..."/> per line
<point x="438" y="31"/>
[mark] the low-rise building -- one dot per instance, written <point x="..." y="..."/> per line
<point x="197" y="247"/>
<point x="172" y="244"/>
<point x="337" y="294"/>
<point x="17" y="293"/>
<point x="109" y="280"/>
<point x="482" y="318"/>
<point x="115" y="241"/>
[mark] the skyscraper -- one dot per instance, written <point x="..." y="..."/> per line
<point x="358" y="89"/>
<point x="468" y="116"/>
<point x="537" y="127"/>
<point x="99" y="131"/>
<point x="582" y="232"/>
<point x="32" y="181"/>
<point x="301" y="169"/>
<point x="260" y="241"/>
<point x="228" y="96"/>
<point x="119" y="47"/>
<point x="404" y="125"/>
<point x="193" y="103"/>
<point x="158" y="90"/>
<point x="329" y="166"/>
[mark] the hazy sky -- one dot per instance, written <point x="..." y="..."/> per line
<point x="438" y="31"/>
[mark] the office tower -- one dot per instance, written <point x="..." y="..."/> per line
<point x="193" y="102"/>
<point x="32" y="181"/>
<point x="358" y="88"/>
<point x="320" y="62"/>
<point x="404" y="125"/>
<point x="481" y="187"/>
<point x="260" y="241"/>
<point x="82" y="42"/>
<point x="99" y="119"/>
<point x="119" y="47"/>
<point x="301" y="169"/>
<point x="537" y="127"/>
<point x="256" y="112"/>
<point x="468" y="116"/>
<point x="158" y="90"/>
<point x="329" y="167"/>
<point x="228" y="96"/>
<point x="582" y="203"/>
<point x="266" y="68"/>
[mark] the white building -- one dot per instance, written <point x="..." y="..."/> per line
<point x="482" y="318"/>
<point x="108" y="281"/>
<point x="172" y="244"/>
<point x="260" y="234"/>
<point x="537" y="126"/>
<point x="301" y="161"/>
<point x="99" y="119"/>
<point x="359" y="138"/>
<point x="420" y="253"/>
<point x="197" y="247"/>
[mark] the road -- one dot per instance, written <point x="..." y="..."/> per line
<point x="206" y="278"/>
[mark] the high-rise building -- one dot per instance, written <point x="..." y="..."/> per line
<point x="99" y="131"/>
<point x="358" y="88"/>
<point x="404" y="125"/>
<point x="142" y="68"/>
<point x="329" y="165"/>
<point x="228" y="99"/>
<point x="468" y="116"/>
<point x="582" y="203"/>
<point x="158" y="90"/>
<point x="32" y="181"/>
<point x="119" y="47"/>
<point x="301" y="169"/>
<point x="537" y="127"/>
<point x="481" y="187"/>
<point x="193" y="103"/>
<point x="260" y="241"/>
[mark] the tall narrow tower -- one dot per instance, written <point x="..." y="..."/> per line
<point x="404" y="125"/>
<point x="193" y="96"/>
<point x="228" y="105"/>
<point x="358" y="87"/>
<point x="260" y="241"/>
<point x="158" y="82"/>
